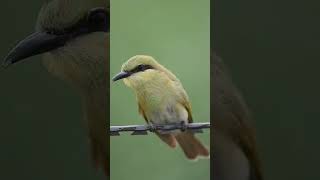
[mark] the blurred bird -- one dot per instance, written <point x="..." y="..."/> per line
<point x="162" y="100"/>
<point x="73" y="36"/>
<point x="235" y="155"/>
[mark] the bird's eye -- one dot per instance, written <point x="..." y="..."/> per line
<point x="97" y="15"/>
<point x="141" y="67"/>
<point x="98" y="18"/>
<point x="55" y="31"/>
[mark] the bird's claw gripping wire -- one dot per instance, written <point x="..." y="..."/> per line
<point x="183" y="126"/>
<point x="152" y="128"/>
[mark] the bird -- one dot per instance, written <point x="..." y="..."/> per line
<point x="235" y="152"/>
<point x="162" y="100"/>
<point x="73" y="38"/>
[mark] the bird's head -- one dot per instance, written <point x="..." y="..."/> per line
<point x="73" y="37"/>
<point x="140" y="69"/>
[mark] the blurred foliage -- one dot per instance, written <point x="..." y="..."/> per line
<point x="176" y="33"/>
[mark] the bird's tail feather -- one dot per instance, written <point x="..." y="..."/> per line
<point x="168" y="138"/>
<point x="99" y="155"/>
<point x="96" y="116"/>
<point x="191" y="146"/>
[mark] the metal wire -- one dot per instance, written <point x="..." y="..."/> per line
<point x="166" y="128"/>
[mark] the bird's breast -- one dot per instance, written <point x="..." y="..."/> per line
<point x="161" y="106"/>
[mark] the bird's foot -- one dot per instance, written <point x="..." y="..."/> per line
<point x="183" y="126"/>
<point x="152" y="128"/>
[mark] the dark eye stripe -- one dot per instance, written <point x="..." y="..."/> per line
<point x="96" y="20"/>
<point x="140" y="68"/>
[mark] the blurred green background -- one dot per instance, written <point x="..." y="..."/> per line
<point x="177" y="35"/>
<point x="42" y="130"/>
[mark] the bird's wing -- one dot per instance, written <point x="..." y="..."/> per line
<point x="141" y="111"/>
<point x="187" y="105"/>
<point x="184" y="100"/>
<point x="183" y="97"/>
<point x="231" y="115"/>
<point x="96" y="116"/>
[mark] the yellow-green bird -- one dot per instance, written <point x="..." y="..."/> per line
<point x="162" y="100"/>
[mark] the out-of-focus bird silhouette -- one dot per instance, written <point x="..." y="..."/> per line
<point x="235" y="154"/>
<point x="73" y="36"/>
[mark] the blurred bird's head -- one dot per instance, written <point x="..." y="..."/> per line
<point x="141" y="69"/>
<point x="73" y="36"/>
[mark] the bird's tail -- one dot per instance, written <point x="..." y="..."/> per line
<point x="96" y="116"/>
<point x="191" y="146"/>
<point x="99" y="155"/>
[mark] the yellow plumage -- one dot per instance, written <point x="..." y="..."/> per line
<point x="161" y="99"/>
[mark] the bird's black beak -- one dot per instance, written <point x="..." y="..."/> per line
<point x="36" y="43"/>
<point x="121" y="75"/>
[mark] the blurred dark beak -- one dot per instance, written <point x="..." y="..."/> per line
<point x="121" y="75"/>
<point x="37" y="43"/>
